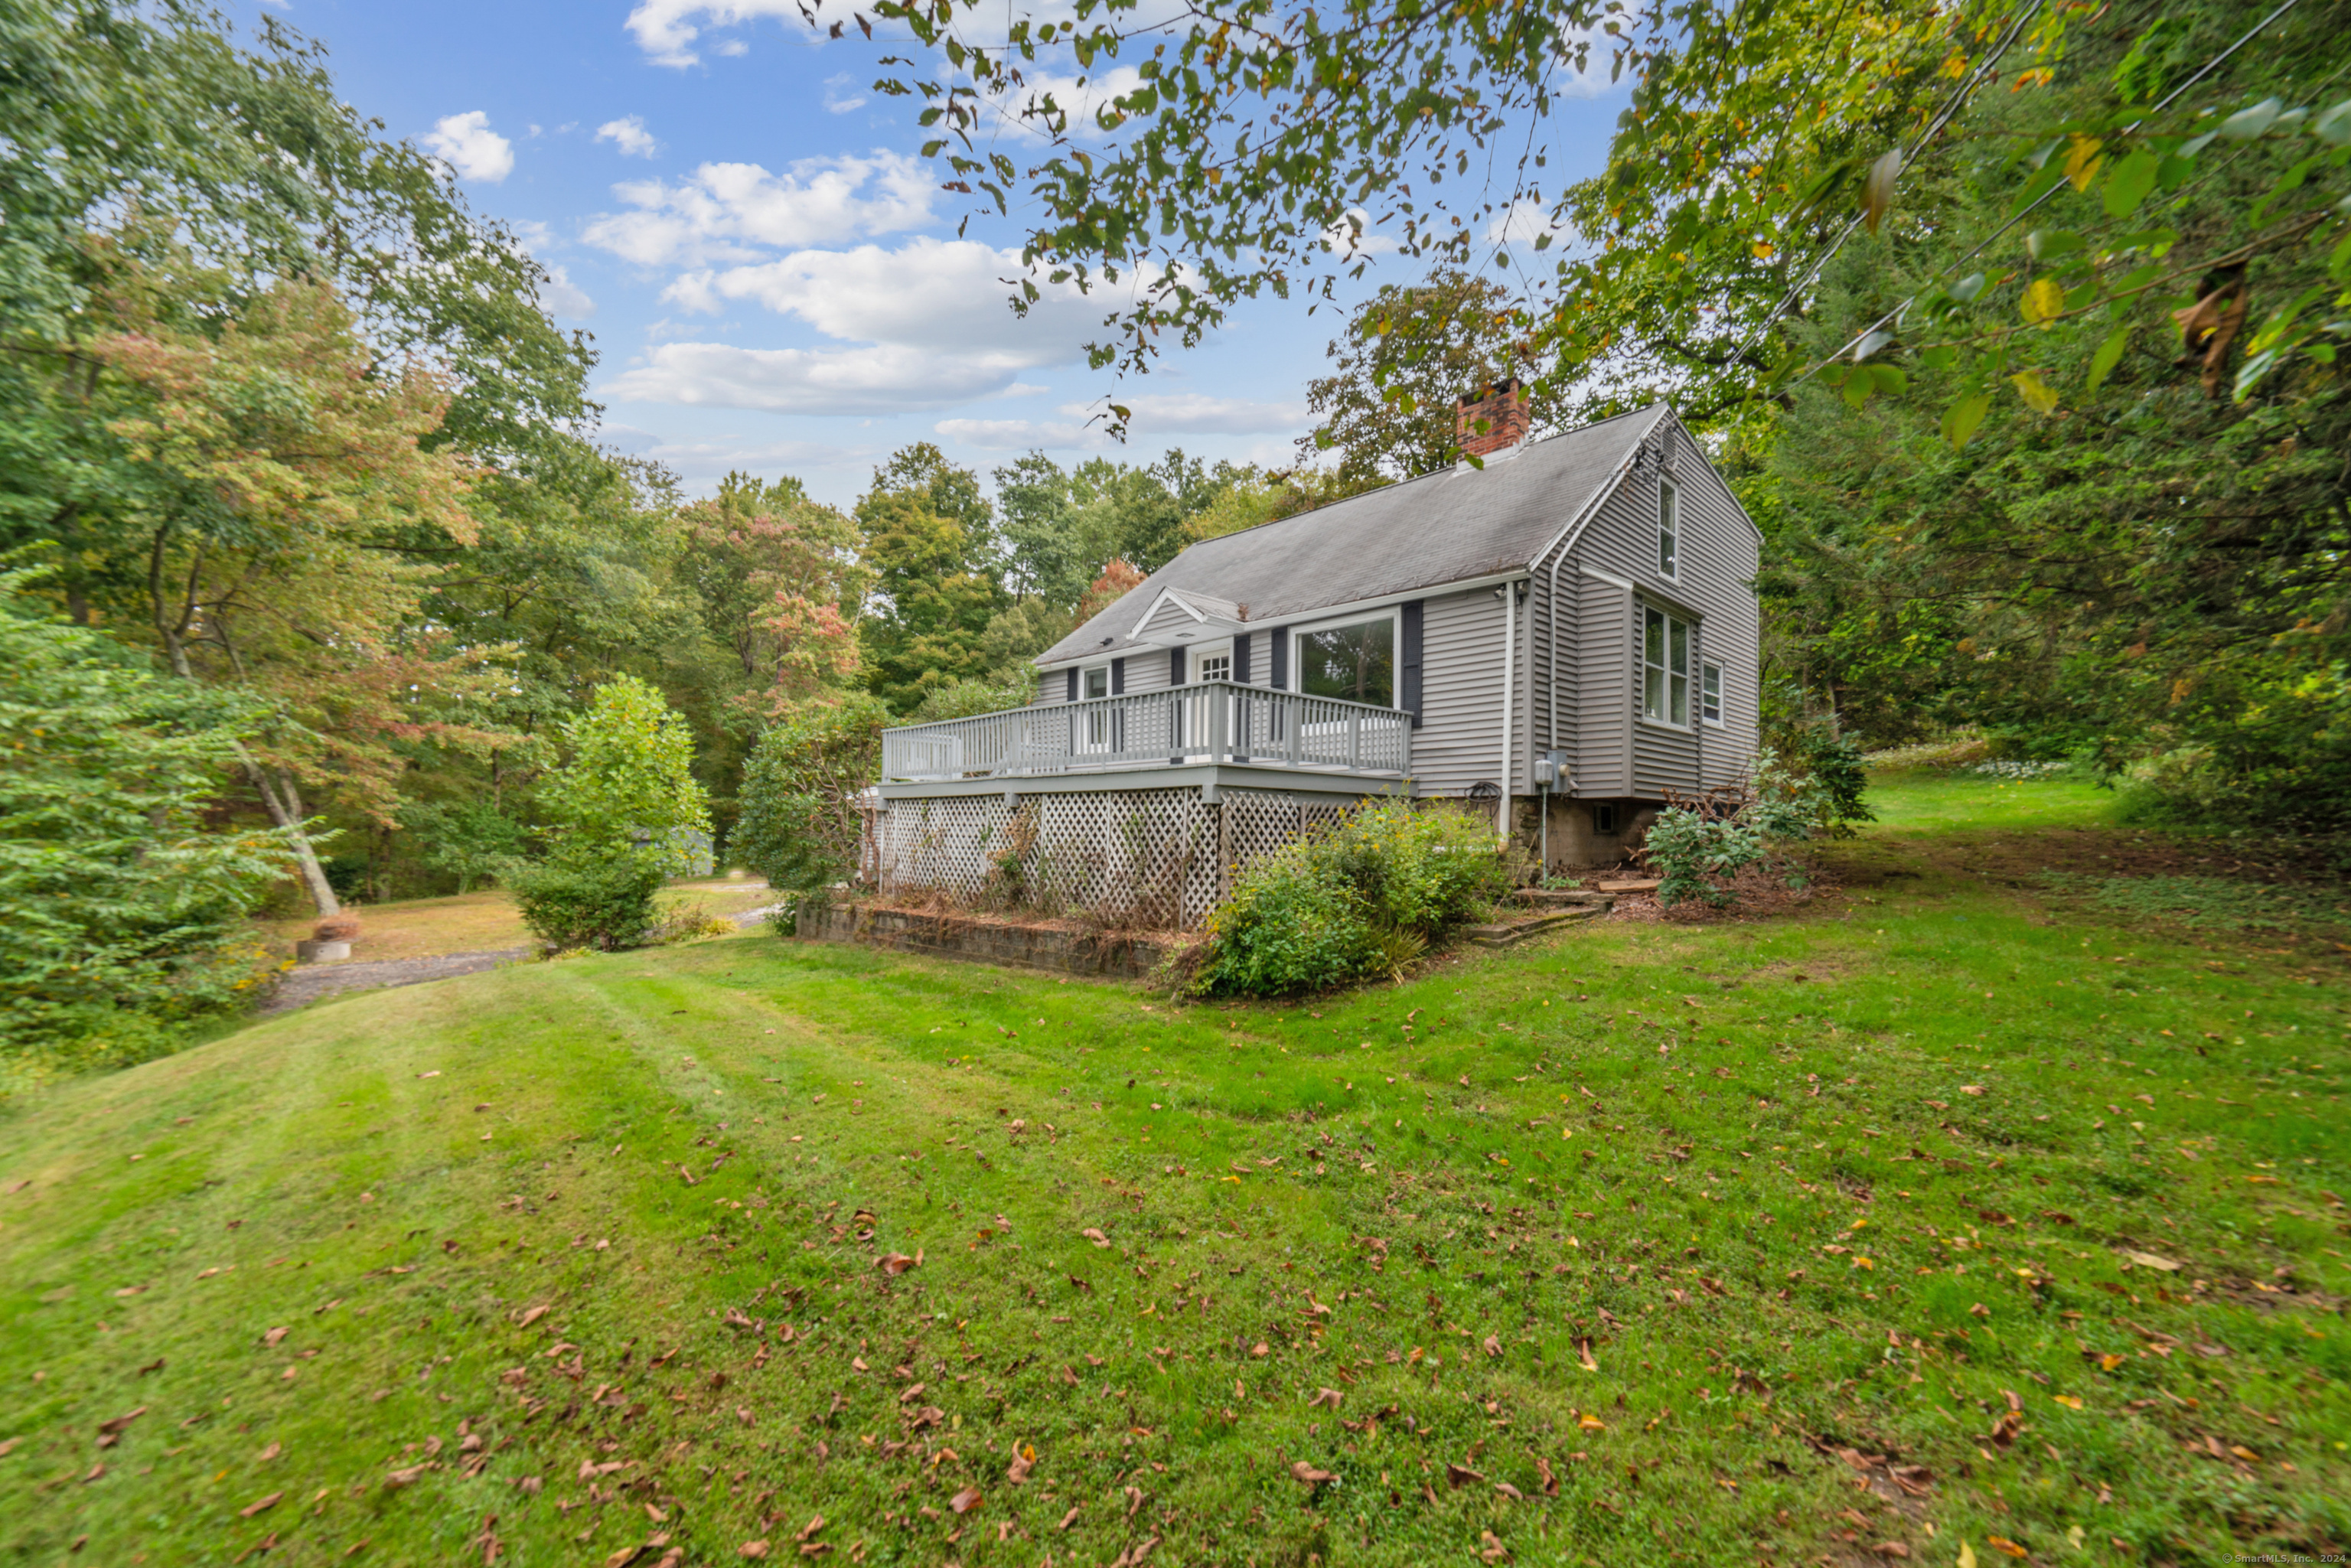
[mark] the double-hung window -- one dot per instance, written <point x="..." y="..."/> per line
<point x="1099" y="727"/>
<point x="1669" y="529"/>
<point x="1665" y="667"/>
<point x="1709" y="688"/>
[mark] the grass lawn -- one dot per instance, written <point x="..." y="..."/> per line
<point x="1963" y="1218"/>
<point x="484" y="921"/>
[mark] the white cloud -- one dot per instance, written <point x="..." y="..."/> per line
<point x="1522" y="222"/>
<point x="1199" y="413"/>
<point x="1355" y="236"/>
<point x="733" y="48"/>
<point x="726" y="212"/>
<point x="666" y="29"/>
<point x="1080" y="97"/>
<point x="630" y="136"/>
<point x="564" y="298"/>
<point x="925" y="325"/>
<point x="931" y="293"/>
<point x="1023" y="434"/>
<point x="468" y="144"/>
<point x="888" y="378"/>
<point x="834" y="86"/>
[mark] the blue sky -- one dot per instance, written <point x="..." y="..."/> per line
<point x="772" y="276"/>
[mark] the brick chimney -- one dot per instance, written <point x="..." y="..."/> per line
<point x="1500" y="409"/>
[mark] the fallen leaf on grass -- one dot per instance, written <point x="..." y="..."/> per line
<point x="1461" y="1474"/>
<point x="1584" y="1352"/>
<point x="1891" y="1549"/>
<point x="1508" y="1490"/>
<point x="752" y="1549"/>
<point x="1330" y="1397"/>
<point x="268" y="1454"/>
<point x="1307" y="1474"/>
<point x="1096" y="1237"/>
<point x="114" y="1427"/>
<point x="272" y="1336"/>
<point x="1493" y="1345"/>
<point x="2152" y="1260"/>
<point x="1068" y="1520"/>
<point x="1495" y="1552"/>
<point x="259" y="1506"/>
<point x="532" y="1316"/>
<point x="895" y="1263"/>
<point x="1018" y="1471"/>
<point x="2002" y="1543"/>
<point x="398" y="1478"/>
<point x="1591" y="1423"/>
<point x="966" y="1501"/>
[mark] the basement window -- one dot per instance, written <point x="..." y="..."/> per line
<point x="1603" y="818"/>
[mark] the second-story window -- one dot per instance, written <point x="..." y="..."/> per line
<point x="1665" y="667"/>
<point x="1217" y="666"/>
<point x="1669" y="530"/>
<point x="1098" y="681"/>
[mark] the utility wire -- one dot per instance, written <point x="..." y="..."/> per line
<point x="2170" y="99"/>
<point x="1983" y="72"/>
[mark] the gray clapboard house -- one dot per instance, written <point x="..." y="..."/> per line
<point x="1571" y="627"/>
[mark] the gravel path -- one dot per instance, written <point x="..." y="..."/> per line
<point x="310" y="982"/>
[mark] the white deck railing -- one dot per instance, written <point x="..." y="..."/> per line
<point x="1210" y="722"/>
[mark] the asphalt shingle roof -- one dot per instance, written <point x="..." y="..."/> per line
<point x="1447" y="527"/>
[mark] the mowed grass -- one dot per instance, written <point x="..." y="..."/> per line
<point x="1779" y="1241"/>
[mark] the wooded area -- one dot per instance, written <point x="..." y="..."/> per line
<point x="2017" y="324"/>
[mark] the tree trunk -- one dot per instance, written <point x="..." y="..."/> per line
<point x="285" y="812"/>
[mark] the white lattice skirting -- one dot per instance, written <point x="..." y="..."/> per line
<point x="1147" y="857"/>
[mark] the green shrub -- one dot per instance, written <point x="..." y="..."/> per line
<point x="1699" y="856"/>
<point x="1357" y="899"/>
<point x="798" y="825"/>
<point x="580" y="900"/>
<point x="122" y="912"/>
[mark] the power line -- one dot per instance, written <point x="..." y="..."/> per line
<point x="1976" y="78"/>
<point x="2173" y="97"/>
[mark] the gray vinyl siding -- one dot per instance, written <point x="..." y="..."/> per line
<point x="1459" y="741"/>
<point x="1169" y="617"/>
<point x="1602" y="710"/>
<point x="1716" y="561"/>
<point x="1146" y="670"/>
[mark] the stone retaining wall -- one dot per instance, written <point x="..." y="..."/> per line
<point x="986" y="940"/>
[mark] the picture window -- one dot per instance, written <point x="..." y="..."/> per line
<point x="1354" y="663"/>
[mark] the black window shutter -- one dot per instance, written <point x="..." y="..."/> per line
<point x="1240" y="658"/>
<point x="1073" y="686"/>
<point x="1117" y="678"/>
<point x="1409" y="681"/>
<point x="1175" y="666"/>
<point x="1281" y="650"/>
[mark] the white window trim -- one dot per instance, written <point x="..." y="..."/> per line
<point x="1704" y="665"/>
<point x="1668" y="490"/>
<point x="1641" y="665"/>
<point x="1195" y="657"/>
<point x="1392" y="613"/>
<point x="1086" y="671"/>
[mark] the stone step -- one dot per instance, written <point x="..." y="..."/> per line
<point x="1586" y="896"/>
<point x="1502" y="933"/>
